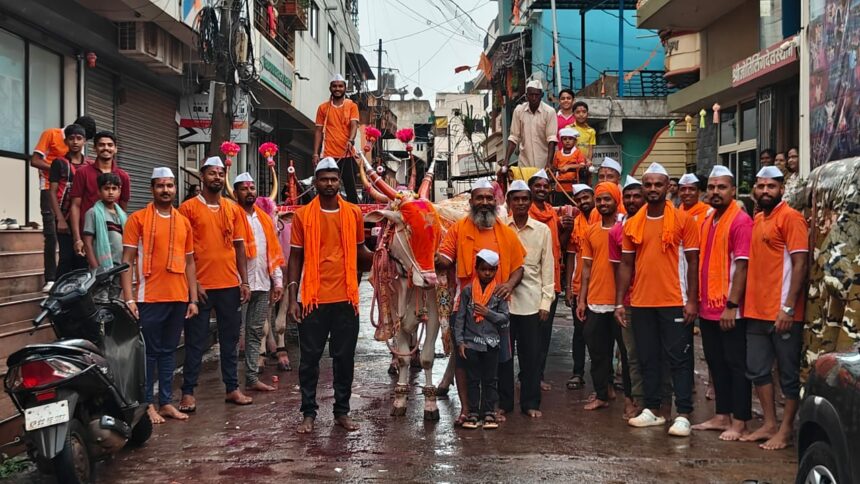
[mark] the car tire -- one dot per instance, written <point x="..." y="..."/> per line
<point x="818" y="465"/>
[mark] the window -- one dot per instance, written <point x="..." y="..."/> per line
<point x="38" y="84"/>
<point x="749" y="121"/>
<point x="314" y="20"/>
<point x="330" y="46"/>
<point x="738" y="134"/>
<point x="728" y="126"/>
<point x="342" y="59"/>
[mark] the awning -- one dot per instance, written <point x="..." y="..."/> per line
<point x="357" y="60"/>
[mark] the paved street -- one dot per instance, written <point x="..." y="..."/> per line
<point x="222" y="443"/>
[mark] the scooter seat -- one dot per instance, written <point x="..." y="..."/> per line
<point x="80" y="343"/>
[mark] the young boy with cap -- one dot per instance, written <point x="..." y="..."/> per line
<point x="480" y="317"/>
<point x="568" y="164"/>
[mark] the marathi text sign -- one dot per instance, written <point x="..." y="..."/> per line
<point x="761" y="63"/>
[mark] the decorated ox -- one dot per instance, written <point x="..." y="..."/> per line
<point x="407" y="290"/>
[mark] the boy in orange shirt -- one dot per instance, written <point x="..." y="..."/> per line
<point x="773" y="305"/>
<point x="157" y="241"/>
<point x="334" y="135"/>
<point x="567" y="163"/>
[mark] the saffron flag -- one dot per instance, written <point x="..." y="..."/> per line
<point x="485" y="66"/>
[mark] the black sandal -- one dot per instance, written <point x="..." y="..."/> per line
<point x="471" y="422"/>
<point x="490" y="423"/>
<point x="575" y="383"/>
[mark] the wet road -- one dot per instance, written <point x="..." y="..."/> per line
<point x="224" y="443"/>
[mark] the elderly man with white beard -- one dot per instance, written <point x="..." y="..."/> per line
<point x="481" y="229"/>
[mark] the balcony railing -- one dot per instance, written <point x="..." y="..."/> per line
<point x="641" y="84"/>
<point x="284" y="44"/>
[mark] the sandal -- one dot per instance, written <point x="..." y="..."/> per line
<point x="575" y="383"/>
<point x="490" y="423"/>
<point x="471" y="422"/>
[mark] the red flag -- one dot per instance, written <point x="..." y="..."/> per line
<point x="460" y="69"/>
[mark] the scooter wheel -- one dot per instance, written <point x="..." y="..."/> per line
<point x="73" y="465"/>
<point x="141" y="432"/>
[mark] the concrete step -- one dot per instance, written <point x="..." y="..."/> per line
<point x="20" y="307"/>
<point x="17" y="240"/>
<point x="22" y="260"/>
<point x="20" y="337"/>
<point x="21" y="282"/>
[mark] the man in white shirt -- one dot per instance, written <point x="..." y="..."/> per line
<point x="530" y="303"/>
<point x="534" y="130"/>
<point x="265" y="259"/>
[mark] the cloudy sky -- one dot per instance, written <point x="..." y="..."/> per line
<point x="426" y="39"/>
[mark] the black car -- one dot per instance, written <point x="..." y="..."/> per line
<point x="828" y="437"/>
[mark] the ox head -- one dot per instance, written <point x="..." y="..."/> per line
<point x="417" y="234"/>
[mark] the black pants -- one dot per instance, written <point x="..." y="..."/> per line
<point x="347" y="175"/>
<point x="49" y="231"/>
<point x="69" y="260"/>
<point x="525" y="342"/>
<point x="226" y="303"/>
<point x="482" y="380"/>
<point x="161" y="325"/>
<point x="336" y="323"/>
<point x="578" y="343"/>
<point x="546" y="336"/>
<point x="661" y="334"/>
<point x="601" y="334"/>
<point x="726" y="354"/>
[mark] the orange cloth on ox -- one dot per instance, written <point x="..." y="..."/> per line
<point x="423" y="221"/>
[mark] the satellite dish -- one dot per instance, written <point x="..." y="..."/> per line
<point x="417" y="92"/>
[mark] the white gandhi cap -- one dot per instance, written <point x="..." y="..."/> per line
<point x="489" y="257"/>
<point x="213" y="161"/>
<point x="568" y="132"/>
<point x="518" y="186"/>
<point x="482" y="183"/>
<point x="630" y="181"/>
<point x="688" y="179"/>
<point x="534" y="84"/>
<point x="162" y="172"/>
<point x="337" y="78"/>
<point x="540" y="174"/>
<point x="770" y="172"/>
<point x="656" y="168"/>
<point x="580" y="187"/>
<point x="326" y="163"/>
<point x="720" y="170"/>
<point x="610" y="163"/>
<point x="243" y="177"/>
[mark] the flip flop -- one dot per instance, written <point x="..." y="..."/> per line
<point x="284" y="367"/>
<point x="470" y="423"/>
<point x="490" y="423"/>
<point x="187" y="408"/>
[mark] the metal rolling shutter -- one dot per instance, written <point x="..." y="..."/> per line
<point x="146" y="137"/>
<point x="99" y="99"/>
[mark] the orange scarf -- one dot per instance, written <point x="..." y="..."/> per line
<point x="274" y="254"/>
<point x="311" y="278"/>
<point x="481" y="296"/>
<point x="635" y="226"/>
<point x="466" y="250"/>
<point x="548" y="216"/>
<point x="717" y="276"/>
<point x="698" y="211"/>
<point x="175" y="253"/>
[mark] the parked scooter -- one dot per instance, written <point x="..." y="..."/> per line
<point x="82" y="396"/>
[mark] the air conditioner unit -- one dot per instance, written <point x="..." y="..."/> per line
<point x="174" y="57"/>
<point x="143" y="41"/>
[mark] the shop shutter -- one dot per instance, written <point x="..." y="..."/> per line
<point x="147" y="137"/>
<point x="766" y="112"/>
<point x="99" y="99"/>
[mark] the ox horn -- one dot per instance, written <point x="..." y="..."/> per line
<point x="427" y="182"/>
<point x="274" y="194"/>
<point x="413" y="173"/>
<point x="376" y="182"/>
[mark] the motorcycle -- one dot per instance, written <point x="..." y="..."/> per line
<point x="82" y="396"/>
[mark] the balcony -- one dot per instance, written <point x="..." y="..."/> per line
<point x="294" y="14"/>
<point x="642" y="84"/>
<point x="282" y="38"/>
<point x="682" y="14"/>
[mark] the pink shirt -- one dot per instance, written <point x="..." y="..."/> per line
<point x="740" y="235"/>
<point x="615" y="236"/>
<point x="563" y="123"/>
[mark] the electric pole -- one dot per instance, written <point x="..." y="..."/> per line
<point x="222" y="104"/>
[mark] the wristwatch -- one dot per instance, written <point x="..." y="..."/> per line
<point x="731" y="305"/>
<point x="788" y="310"/>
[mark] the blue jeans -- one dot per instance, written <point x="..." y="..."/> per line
<point x="226" y="304"/>
<point x="161" y="324"/>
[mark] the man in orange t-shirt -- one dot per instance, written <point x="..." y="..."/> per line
<point x="664" y="300"/>
<point x="334" y="136"/>
<point x="157" y="241"/>
<point x="52" y="145"/>
<point x="481" y="229"/>
<point x="596" y="302"/>
<point x="220" y="229"/>
<point x="690" y="193"/>
<point x="583" y="195"/>
<point x="773" y="305"/>
<point x="326" y="251"/>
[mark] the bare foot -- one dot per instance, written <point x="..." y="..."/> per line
<point x="154" y="417"/>
<point x="781" y="440"/>
<point x="717" y="422"/>
<point x="238" y="398"/>
<point x="260" y="387"/>
<point x="596" y="404"/>
<point x="765" y="432"/>
<point x="544" y="386"/>
<point x="170" y="411"/>
<point x="710" y="393"/>
<point x="591" y="397"/>
<point x="346" y="422"/>
<point x="188" y="404"/>
<point x="631" y="409"/>
<point x="306" y="427"/>
<point x="610" y="392"/>
<point x="500" y="416"/>
<point x="534" y="413"/>
<point x="737" y="430"/>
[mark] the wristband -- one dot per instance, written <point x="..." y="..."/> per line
<point x="194" y="303"/>
<point x="619" y="306"/>
<point x="290" y="284"/>
<point x="131" y="301"/>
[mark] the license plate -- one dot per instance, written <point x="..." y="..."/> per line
<point x="46" y="415"/>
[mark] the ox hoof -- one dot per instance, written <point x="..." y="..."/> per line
<point x="398" y="411"/>
<point x="431" y="415"/>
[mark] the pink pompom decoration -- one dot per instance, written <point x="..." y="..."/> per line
<point x="267" y="205"/>
<point x="405" y="135"/>
<point x="229" y="149"/>
<point x="371" y="134"/>
<point x="269" y="150"/>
